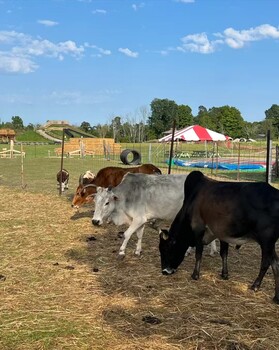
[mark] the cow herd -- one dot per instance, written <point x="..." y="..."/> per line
<point x="199" y="210"/>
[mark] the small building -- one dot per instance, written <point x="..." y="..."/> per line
<point x="6" y="135"/>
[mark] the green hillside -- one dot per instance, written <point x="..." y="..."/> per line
<point x="53" y="130"/>
<point x="73" y="132"/>
<point x="30" y="135"/>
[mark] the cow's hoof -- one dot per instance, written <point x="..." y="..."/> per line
<point x="121" y="256"/>
<point x="138" y="254"/>
<point x="224" y="276"/>
<point x="255" y="287"/>
<point x="195" y="276"/>
<point x="276" y="300"/>
<point x="213" y="254"/>
<point x="168" y="271"/>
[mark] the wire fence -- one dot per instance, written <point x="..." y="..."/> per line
<point x="37" y="169"/>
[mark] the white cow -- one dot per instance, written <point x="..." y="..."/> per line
<point x="140" y="198"/>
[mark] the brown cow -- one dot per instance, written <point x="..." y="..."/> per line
<point x="109" y="176"/>
<point x="63" y="177"/>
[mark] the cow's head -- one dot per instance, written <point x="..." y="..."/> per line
<point x="87" y="178"/>
<point x="104" y="205"/>
<point x="84" y="194"/>
<point x="172" y="252"/>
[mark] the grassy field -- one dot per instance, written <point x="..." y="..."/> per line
<point x="63" y="287"/>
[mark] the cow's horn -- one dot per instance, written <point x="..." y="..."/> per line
<point x="80" y="179"/>
<point x="90" y="185"/>
<point x="164" y="234"/>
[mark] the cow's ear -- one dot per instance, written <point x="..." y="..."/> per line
<point x="109" y="189"/>
<point x="82" y="192"/>
<point x="91" y="196"/>
<point x="164" y="234"/>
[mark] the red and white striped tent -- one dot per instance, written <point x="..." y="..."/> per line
<point x="195" y="133"/>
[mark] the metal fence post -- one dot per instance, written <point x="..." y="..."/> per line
<point x="268" y="158"/>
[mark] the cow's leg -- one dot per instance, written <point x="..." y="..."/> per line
<point x="275" y="269"/>
<point x="213" y="248"/>
<point x="139" y="234"/>
<point x="189" y="251"/>
<point x="224" y="248"/>
<point x="199" y="250"/>
<point x="135" y="225"/>
<point x="268" y="251"/>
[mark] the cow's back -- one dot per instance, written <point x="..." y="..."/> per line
<point x="148" y="169"/>
<point x="235" y="209"/>
<point x="152" y="196"/>
<point x="112" y="176"/>
<point x="109" y="176"/>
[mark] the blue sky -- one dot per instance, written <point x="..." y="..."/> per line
<point x="92" y="60"/>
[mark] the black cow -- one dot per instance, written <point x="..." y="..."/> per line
<point x="233" y="212"/>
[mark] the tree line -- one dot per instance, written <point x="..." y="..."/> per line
<point x="148" y="124"/>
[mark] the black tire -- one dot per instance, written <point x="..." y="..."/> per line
<point x="136" y="157"/>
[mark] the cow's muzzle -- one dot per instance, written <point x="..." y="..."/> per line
<point x="96" y="222"/>
<point x="168" y="271"/>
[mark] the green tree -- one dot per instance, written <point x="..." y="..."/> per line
<point x="184" y="116"/>
<point x="85" y="126"/>
<point x="17" y="123"/>
<point x="116" y="128"/>
<point x="272" y="114"/>
<point x="228" y="121"/>
<point x="163" y="113"/>
<point x="203" y="119"/>
<point x="102" y="131"/>
<point x="30" y="126"/>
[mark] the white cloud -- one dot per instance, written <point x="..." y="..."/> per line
<point x="101" y="51"/>
<point x="237" y="39"/>
<point x="198" y="43"/>
<point x="47" y="22"/>
<point x="22" y="49"/>
<point x="49" y="49"/>
<point x="231" y="37"/>
<point x="128" y="52"/>
<point x="136" y="7"/>
<point x="99" y="11"/>
<point x="10" y="37"/>
<point x="14" y="64"/>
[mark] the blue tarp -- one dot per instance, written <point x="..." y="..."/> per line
<point x="222" y="166"/>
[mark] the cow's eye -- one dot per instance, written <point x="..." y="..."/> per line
<point x="107" y="203"/>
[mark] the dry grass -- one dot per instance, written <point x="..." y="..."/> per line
<point x="60" y="289"/>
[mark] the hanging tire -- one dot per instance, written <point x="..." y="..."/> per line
<point x="136" y="157"/>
